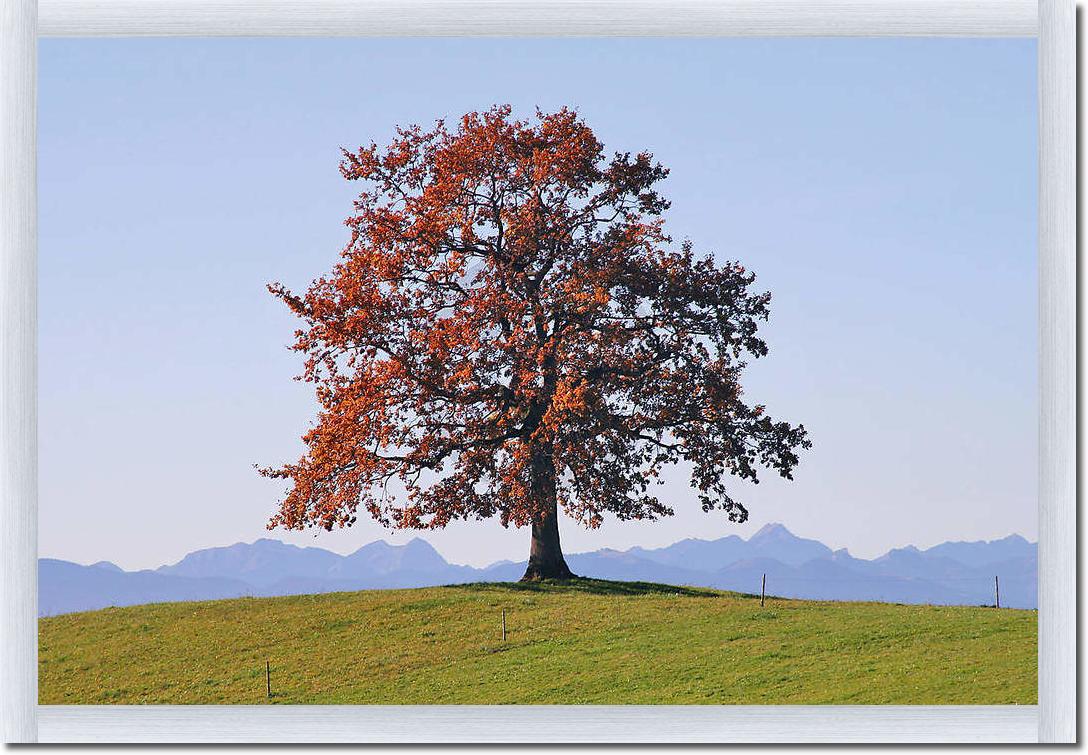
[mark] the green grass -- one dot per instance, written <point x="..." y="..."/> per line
<point x="586" y="642"/>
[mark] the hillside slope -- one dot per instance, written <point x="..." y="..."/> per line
<point x="587" y="642"/>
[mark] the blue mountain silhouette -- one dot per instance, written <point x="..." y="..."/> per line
<point x="953" y="573"/>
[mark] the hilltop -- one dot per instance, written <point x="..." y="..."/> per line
<point x="589" y="641"/>
<point x="953" y="573"/>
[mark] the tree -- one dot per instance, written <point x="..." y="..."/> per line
<point x="510" y="331"/>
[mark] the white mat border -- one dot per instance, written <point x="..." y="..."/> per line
<point x="23" y="720"/>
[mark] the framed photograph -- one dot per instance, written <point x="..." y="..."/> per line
<point x="537" y="371"/>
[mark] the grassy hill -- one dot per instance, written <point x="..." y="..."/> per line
<point x="586" y="642"/>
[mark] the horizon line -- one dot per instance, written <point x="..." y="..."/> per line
<point x="768" y="526"/>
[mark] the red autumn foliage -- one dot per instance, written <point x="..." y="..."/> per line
<point x="510" y="330"/>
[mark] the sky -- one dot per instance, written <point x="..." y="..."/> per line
<point x="884" y="190"/>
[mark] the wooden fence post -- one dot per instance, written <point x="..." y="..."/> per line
<point x="504" y="625"/>
<point x="268" y="679"/>
<point x="997" y="592"/>
<point x="763" y="591"/>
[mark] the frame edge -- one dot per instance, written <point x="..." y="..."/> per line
<point x="18" y="282"/>
<point x="483" y="18"/>
<point x="1057" y="373"/>
<point x="18" y="370"/>
<point x="553" y="724"/>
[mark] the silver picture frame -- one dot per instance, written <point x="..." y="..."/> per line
<point x="22" y="22"/>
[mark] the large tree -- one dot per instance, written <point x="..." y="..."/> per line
<point x="510" y="331"/>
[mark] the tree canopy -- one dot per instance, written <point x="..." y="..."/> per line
<point x="511" y="330"/>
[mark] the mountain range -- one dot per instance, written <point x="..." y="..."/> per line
<point x="952" y="573"/>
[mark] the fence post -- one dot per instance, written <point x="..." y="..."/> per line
<point x="997" y="592"/>
<point x="763" y="591"/>
<point x="504" y="625"/>
<point x="268" y="679"/>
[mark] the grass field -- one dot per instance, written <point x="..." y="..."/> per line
<point x="587" y="642"/>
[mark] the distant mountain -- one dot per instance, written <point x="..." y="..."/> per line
<point x="624" y="566"/>
<point x="777" y="542"/>
<point x="260" y="563"/>
<point x="772" y="541"/>
<point x="706" y="555"/>
<point x="409" y="565"/>
<point x="64" y="587"/>
<point x="828" y="579"/>
<point x="981" y="552"/>
<point x="107" y="565"/>
<point x="953" y="573"/>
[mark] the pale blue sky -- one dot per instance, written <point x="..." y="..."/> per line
<point x="884" y="190"/>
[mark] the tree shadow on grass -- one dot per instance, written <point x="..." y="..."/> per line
<point x="591" y="586"/>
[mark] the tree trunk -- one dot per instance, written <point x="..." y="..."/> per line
<point x="545" y="553"/>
